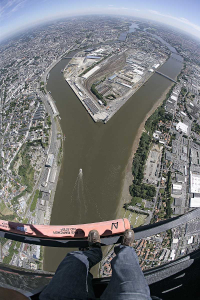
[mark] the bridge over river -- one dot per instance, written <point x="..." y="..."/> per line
<point x="165" y="76"/>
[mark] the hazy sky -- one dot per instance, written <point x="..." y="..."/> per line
<point x="18" y="14"/>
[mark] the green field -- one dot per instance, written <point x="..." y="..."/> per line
<point x="34" y="202"/>
<point x="135" y="219"/>
<point x="5" y="210"/>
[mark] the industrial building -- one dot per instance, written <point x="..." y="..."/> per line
<point x="195" y="202"/>
<point x="183" y="127"/>
<point x="177" y="188"/>
<point x="45" y="178"/>
<point x="194" y="183"/>
<point x="174" y="98"/>
<point x="49" y="161"/>
<point x="89" y="73"/>
<point x="53" y="175"/>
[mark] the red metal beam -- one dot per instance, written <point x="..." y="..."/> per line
<point x="107" y="228"/>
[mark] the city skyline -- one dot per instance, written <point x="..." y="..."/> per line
<point x="17" y="15"/>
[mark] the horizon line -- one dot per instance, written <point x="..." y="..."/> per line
<point x="23" y="29"/>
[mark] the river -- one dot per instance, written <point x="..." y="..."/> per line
<point x="101" y="151"/>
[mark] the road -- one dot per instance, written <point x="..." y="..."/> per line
<point x="144" y="232"/>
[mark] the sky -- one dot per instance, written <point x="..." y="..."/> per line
<point x="16" y="15"/>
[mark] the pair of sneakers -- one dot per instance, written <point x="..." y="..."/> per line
<point x="95" y="241"/>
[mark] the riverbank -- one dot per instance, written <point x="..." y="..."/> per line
<point x="127" y="174"/>
<point x="128" y="177"/>
<point x="130" y="94"/>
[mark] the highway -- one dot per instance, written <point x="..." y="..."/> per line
<point x="149" y="230"/>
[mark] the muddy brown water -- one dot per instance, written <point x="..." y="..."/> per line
<point x="100" y="150"/>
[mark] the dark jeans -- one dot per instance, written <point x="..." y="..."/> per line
<point x="127" y="281"/>
<point x="72" y="279"/>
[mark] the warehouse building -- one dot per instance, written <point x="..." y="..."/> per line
<point x="49" y="161"/>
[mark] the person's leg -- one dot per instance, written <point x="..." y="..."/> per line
<point x="72" y="279"/>
<point x="127" y="280"/>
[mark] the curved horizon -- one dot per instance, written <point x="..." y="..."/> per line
<point x="17" y="16"/>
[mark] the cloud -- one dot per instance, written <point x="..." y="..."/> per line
<point x="117" y="8"/>
<point x="10" y="6"/>
<point x="19" y="5"/>
<point x="112" y="7"/>
<point x="154" y="12"/>
<point x="182" y="20"/>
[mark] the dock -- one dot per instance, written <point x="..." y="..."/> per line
<point x="96" y="113"/>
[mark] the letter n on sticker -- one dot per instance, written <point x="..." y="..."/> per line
<point x="114" y="225"/>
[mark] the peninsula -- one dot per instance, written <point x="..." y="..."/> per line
<point x="104" y="77"/>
